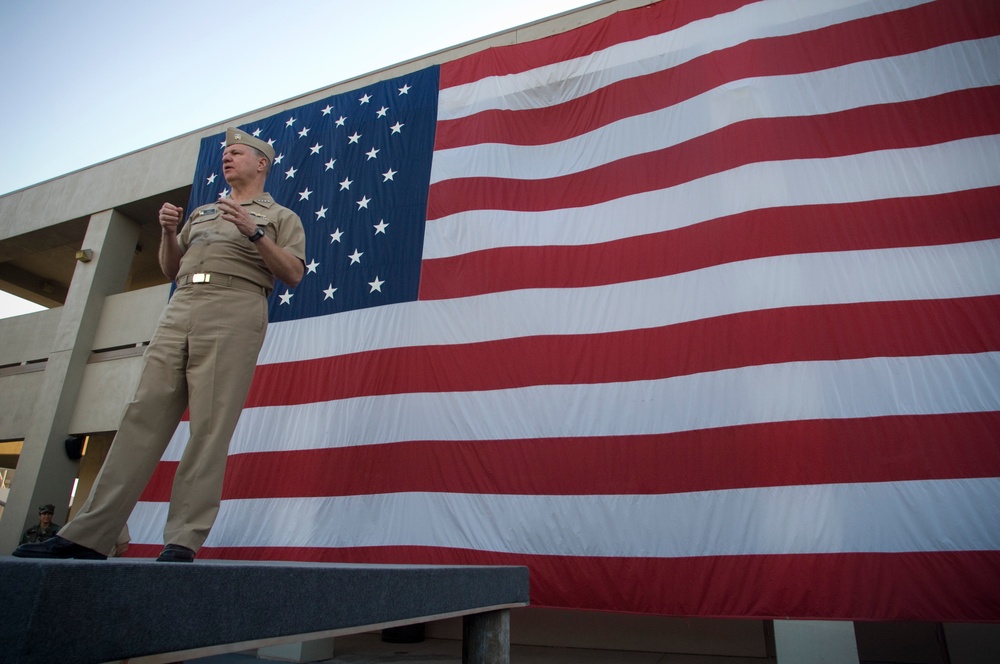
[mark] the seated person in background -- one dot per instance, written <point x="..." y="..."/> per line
<point x="45" y="528"/>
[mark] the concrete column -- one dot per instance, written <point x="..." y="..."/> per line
<point x="815" y="642"/>
<point x="973" y="643"/>
<point x="486" y="638"/>
<point x="44" y="473"/>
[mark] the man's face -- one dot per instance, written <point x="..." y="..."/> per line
<point x="240" y="163"/>
<point x="44" y="519"/>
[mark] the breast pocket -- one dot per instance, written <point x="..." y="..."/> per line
<point x="208" y="214"/>
<point x="204" y="226"/>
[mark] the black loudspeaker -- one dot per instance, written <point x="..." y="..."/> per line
<point x="74" y="447"/>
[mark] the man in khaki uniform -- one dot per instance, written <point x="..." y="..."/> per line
<point x="202" y="357"/>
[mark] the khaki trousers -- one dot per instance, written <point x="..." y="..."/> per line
<point x="202" y="357"/>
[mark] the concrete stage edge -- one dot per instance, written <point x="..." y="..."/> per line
<point x="143" y="611"/>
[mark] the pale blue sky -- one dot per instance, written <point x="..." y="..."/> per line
<point x="87" y="82"/>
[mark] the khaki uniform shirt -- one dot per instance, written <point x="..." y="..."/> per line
<point x="210" y="244"/>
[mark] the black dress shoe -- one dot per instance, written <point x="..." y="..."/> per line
<point x="57" y="547"/>
<point x="175" y="553"/>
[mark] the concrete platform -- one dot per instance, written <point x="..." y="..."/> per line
<point x="143" y="611"/>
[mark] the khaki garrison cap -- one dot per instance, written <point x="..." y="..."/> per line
<point x="234" y="136"/>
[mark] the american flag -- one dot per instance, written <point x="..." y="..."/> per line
<point x="355" y="168"/>
<point x="694" y="310"/>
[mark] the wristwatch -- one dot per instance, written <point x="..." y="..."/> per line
<point x="257" y="234"/>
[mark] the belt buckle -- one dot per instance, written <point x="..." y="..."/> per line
<point x="201" y="278"/>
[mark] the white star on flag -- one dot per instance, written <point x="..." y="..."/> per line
<point x="311" y="266"/>
<point x="388" y="175"/>
<point x="316" y="148"/>
<point x="335" y="236"/>
<point x="256" y="133"/>
<point x="353" y="138"/>
<point x="304" y="194"/>
<point x="304" y="132"/>
<point x="286" y="298"/>
<point x="211" y="178"/>
<point x="330" y="290"/>
<point x="380" y="227"/>
<point x="329" y="164"/>
<point x="290" y="122"/>
<point x="340" y="121"/>
<point x="397" y="128"/>
<point x="326" y="111"/>
<point x="371" y="154"/>
<point x="363" y="203"/>
<point x="290" y="173"/>
<point x="380" y="113"/>
<point x="356" y="257"/>
<point x="321" y="213"/>
<point x="376" y="285"/>
<point x="405" y="89"/>
<point x="365" y="99"/>
<point x="346" y="184"/>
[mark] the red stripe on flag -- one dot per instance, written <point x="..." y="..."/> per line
<point x="960" y="586"/>
<point x="617" y="28"/>
<point x="964" y="216"/>
<point x="880" y="329"/>
<point x="948" y="117"/>
<point x="929" y="25"/>
<point x="881" y="449"/>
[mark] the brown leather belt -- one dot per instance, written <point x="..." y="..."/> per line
<point x="224" y="280"/>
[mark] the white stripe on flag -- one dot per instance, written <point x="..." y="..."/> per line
<point x="938" y="71"/>
<point x="870" y="387"/>
<point x="824" y="518"/>
<point x="961" y="165"/>
<point x="911" y="273"/>
<point x="760" y="20"/>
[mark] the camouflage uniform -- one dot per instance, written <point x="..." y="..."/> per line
<point x="39" y="534"/>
